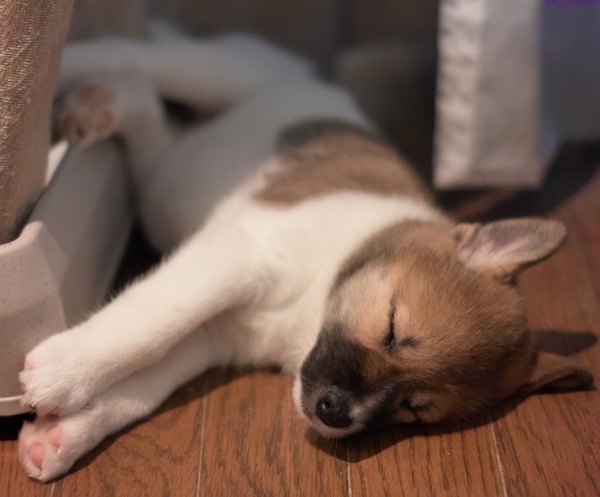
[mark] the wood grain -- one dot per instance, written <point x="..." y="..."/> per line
<point x="550" y="445"/>
<point x="158" y="457"/>
<point x="13" y="480"/>
<point x="425" y="461"/>
<point x="254" y="443"/>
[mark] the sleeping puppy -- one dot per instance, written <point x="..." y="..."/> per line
<point x="299" y="239"/>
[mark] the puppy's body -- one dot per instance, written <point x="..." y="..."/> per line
<point x="328" y="260"/>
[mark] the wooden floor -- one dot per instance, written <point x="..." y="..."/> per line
<point x="229" y="433"/>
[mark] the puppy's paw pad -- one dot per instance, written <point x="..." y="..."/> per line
<point x="48" y="436"/>
<point x="53" y="435"/>
<point x="39" y="446"/>
<point x="36" y="455"/>
<point x="87" y="115"/>
<point x="50" y="445"/>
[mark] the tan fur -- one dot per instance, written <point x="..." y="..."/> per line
<point x="322" y="157"/>
<point x="463" y="318"/>
<point x="424" y="321"/>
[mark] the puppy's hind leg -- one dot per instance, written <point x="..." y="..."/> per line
<point x="210" y="74"/>
<point x="50" y="445"/>
<point x="121" y="103"/>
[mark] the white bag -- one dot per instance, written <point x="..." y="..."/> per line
<point x="487" y="130"/>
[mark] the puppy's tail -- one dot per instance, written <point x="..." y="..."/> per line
<point x="208" y="74"/>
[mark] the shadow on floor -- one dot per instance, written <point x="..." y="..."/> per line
<point x="574" y="166"/>
<point x="368" y="444"/>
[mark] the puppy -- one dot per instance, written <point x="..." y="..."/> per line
<point x="299" y="239"/>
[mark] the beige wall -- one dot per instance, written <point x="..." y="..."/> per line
<point x="306" y="26"/>
<point x="313" y="27"/>
<point x="393" y="20"/>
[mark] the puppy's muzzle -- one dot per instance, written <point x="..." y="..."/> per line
<point x="333" y="408"/>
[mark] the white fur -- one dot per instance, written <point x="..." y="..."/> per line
<point x="247" y="287"/>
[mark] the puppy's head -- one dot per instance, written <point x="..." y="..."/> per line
<point x="424" y="323"/>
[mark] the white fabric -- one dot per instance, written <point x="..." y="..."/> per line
<point x="516" y="78"/>
<point x="487" y="131"/>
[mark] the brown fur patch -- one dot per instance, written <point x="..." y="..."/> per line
<point x="321" y="157"/>
<point x="461" y="336"/>
<point x="413" y="332"/>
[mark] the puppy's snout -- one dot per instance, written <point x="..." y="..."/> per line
<point x="333" y="408"/>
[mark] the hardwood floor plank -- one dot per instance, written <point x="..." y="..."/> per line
<point x="550" y="444"/>
<point x="13" y="479"/>
<point x="256" y="445"/>
<point x="425" y="461"/>
<point x="585" y="222"/>
<point x="158" y="457"/>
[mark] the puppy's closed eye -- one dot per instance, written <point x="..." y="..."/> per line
<point x="390" y="338"/>
<point x="409" y="342"/>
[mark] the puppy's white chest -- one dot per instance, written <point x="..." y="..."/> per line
<point x="302" y="249"/>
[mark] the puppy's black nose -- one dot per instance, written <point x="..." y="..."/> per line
<point x="333" y="408"/>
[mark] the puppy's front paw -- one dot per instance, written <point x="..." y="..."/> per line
<point x="87" y="115"/>
<point x="49" y="446"/>
<point x="58" y="378"/>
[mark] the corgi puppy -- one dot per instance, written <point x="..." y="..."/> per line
<point x="297" y="238"/>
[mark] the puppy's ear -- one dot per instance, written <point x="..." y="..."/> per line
<point x="503" y="248"/>
<point x="556" y="373"/>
